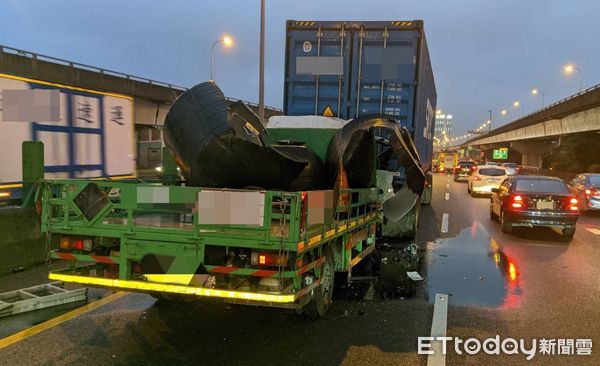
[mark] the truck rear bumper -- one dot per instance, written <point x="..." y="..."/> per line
<point x="265" y="299"/>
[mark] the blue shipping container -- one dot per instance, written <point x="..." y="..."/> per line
<point x="351" y="69"/>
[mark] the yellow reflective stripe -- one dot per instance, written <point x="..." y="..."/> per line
<point x="330" y="233"/>
<point x="64" y="86"/>
<point x="342" y="227"/>
<point x="176" y="289"/>
<point x="314" y="240"/>
<point x="7" y="186"/>
<point x="180" y="279"/>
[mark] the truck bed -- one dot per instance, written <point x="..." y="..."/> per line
<point x="118" y="236"/>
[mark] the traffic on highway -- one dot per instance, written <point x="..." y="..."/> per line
<point x="371" y="200"/>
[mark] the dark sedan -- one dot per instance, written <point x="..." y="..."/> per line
<point x="535" y="201"/>
<point x="463" y="170"/>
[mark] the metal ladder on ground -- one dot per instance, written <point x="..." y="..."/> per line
<point x="38" y="297"/>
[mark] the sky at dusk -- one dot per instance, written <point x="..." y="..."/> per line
<point x="485" y="54"/>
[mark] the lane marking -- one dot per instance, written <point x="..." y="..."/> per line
<point x="593" y="231"/>
<point x="445" y="218"/>
<point x="439" y="325"/>
<point x="17" y="337"/>
<point x="447" y="196"/>
<point x="448" y="185"/>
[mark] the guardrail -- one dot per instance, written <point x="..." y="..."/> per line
<point x="78" y="65"/>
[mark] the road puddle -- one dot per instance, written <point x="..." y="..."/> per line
<point x="473" y="270"/>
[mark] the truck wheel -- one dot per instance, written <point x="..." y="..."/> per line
<point x="412" y="233"/>
<point x="505" y="226"/>
<point x="321" y="298"/>
<point x="427" y="193"/>
<point x="569" y="231"/>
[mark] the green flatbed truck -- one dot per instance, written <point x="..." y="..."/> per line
<point x="255" y="247"/>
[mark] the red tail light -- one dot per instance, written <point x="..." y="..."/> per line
<point x="573" y="204"/>
<point x="588" y="192"/>
<point x="268" y="259"/>
<point x="517" y="202"/>
<point x="67" y="243"/>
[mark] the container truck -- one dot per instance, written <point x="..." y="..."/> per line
<point x="349" y="69"/>
<point x="86" y="133"/>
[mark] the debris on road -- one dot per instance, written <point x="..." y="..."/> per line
<point x="415" y="276"/>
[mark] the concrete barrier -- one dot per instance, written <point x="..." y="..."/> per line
<point x="21" y="243"/>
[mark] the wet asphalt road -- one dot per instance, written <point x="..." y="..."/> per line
<point x="529" y="284"/>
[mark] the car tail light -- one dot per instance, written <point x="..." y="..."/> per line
<point x="573" y="204"/>
<point x="588" y="192"/>
<point x="517" y="202"/>
<point x="67" y="243"/>
<point x="268" y="259"/>
<point x="476" y="177"/>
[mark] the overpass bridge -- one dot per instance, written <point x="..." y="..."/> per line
<point x="152" y="99"/>
<point x="535" y="134"/>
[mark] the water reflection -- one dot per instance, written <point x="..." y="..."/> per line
<point x="474" y="270"/>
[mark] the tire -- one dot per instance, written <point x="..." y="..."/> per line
<point x="505" y="226"/>
<point x="468" y="188"/>
<point x="427" y="194"/>
<point x="322" y="295"/>
<point x="569" y="231"/>
<point x="473" y="193"/>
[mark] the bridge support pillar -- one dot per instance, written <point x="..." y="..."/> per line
<point x="532" y="151"/>
<point x="532" y="159"/>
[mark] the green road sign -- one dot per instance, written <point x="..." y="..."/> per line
<point x="501" y="153"/>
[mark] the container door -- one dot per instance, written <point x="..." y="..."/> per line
<point x="315" y="74"/>
<point x="384" y="64"/>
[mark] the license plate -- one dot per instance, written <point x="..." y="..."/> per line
<point x="545" y="205"/>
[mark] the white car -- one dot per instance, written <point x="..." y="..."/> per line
<point x="484" y="178"/>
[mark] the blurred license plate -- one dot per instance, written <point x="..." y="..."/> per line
<point x="545" y="205"/>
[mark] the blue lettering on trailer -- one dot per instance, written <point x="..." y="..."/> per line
<point x="71" y="130"/>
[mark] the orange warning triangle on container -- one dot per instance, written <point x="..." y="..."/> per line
<point x="328" y="112"/>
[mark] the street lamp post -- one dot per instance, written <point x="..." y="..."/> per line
<point x="569" y="70"/>
<point x="261" y="71"/>
<point x="536" y="92"/>
<point x="489" y="122"/>
<point x="227" y="42"/>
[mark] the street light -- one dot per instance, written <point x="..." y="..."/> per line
<point x="536" y="92"/>
<point x="517" y="104"/>
<point x="227" y="42"/>
<point x="569" y="70"/>
<point x="504" y="112"/>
